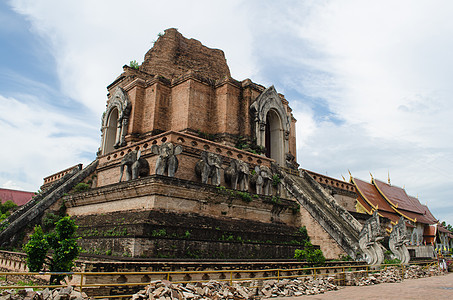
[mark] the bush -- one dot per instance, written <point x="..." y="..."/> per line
<point x="310" y="255"/>
<point x="81" y="187"/>
<point x="61" y="241"/>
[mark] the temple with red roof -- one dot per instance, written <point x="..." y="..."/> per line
<point x="362" y="198"/>
<point x="18" y="197"/>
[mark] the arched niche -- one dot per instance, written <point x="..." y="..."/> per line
<point x="115" y="121"/>
<point x="274" y="136"/>
<point x="271" y="124"/>
<point x="111" y="131"/>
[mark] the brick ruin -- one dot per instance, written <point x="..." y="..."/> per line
<point x="196" y="164"/>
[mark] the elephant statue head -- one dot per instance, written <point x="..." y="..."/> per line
<point x="209" y="167"/>
<point x="263" y="180"/>
<point x="238" y="175"/>
<point x="167" y="161"/>
<point x="134" y="165"/>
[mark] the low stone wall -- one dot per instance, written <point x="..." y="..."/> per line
<point x="13" y="261"/>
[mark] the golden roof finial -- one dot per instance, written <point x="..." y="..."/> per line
<point x="372" y="178"/>
<point x="343" y="177"/>
<point x="388" y="176"/>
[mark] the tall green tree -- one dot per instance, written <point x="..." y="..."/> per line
<point x="63" y="243"/>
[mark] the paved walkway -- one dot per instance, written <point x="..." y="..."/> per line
<point x="436" y="287"/>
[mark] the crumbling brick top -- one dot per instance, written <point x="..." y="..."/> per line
<point x="173" y="56"/>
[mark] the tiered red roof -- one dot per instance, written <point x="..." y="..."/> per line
<point x="18" y="197"/>
<point x="370" y="199"/>
<point x="391" y="202"/>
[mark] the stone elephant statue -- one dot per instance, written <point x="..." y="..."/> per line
<point x="167" y="161"/>
<point x="209" y="167"/>
<point x="263" y="180"/>
<point x="134" y="165"/>
<point x="237" y="174"/>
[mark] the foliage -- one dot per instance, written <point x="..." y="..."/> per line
<point x="206" y="136"/>
<point x="244" y="196"/>
<point x="304" y="234"/>
<point x="6" y="209"/>
<point x="275" y="180"/>
<point x="388" y="261"/>
<point x="448" y="226"/>
<point x="8" y="206"/>
<point x="310" y="255"/>
<point x="243" y="144"/>
<point x="133" y="64"/>
<point x="81" y="187"/>
<point x="61" y="241"/>
<point x="36" y="250"/>
<point x="49" y="221"/>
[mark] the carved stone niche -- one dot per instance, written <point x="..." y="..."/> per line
<point x="115" y="121"/>
<point x="270" y="119"/>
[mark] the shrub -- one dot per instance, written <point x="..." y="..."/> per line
<point x="310" y="255"/>
<point x="275" y="180"/>
<point x="81" y="187"/>
<point x="133" y="64"/>
<point x="61" y="241"/>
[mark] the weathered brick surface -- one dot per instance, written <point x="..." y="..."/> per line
<point x="173" y="55"/>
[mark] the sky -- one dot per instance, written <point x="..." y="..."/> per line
<point x="370" y="82"/>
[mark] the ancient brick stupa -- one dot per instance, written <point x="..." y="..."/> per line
<point x="194" y="163"/>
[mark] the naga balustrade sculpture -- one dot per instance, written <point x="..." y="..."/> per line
<point x="209" y="167"/>
<point x="238" y="175"/>
<point x="369" y="239"/>
<point x="398" y="239"/>
<point x="167" y="161"/>
<point x="134" y="165"/>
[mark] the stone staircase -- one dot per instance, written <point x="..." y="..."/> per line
<point x="29" y="212"/>
<point x="335" y="220"/>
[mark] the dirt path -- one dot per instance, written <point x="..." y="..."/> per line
<point x="436" y="287"/>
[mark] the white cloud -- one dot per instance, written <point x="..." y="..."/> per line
<point x="92" y="40"/>
<point x="369" y="82"/>
<point x="39" y="141"/>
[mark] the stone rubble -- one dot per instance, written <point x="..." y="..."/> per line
<point x="390" y="275"/>
<point x="66" y="293"/>
<point x="165" y="290"/>
<point x="162" y="290"/>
